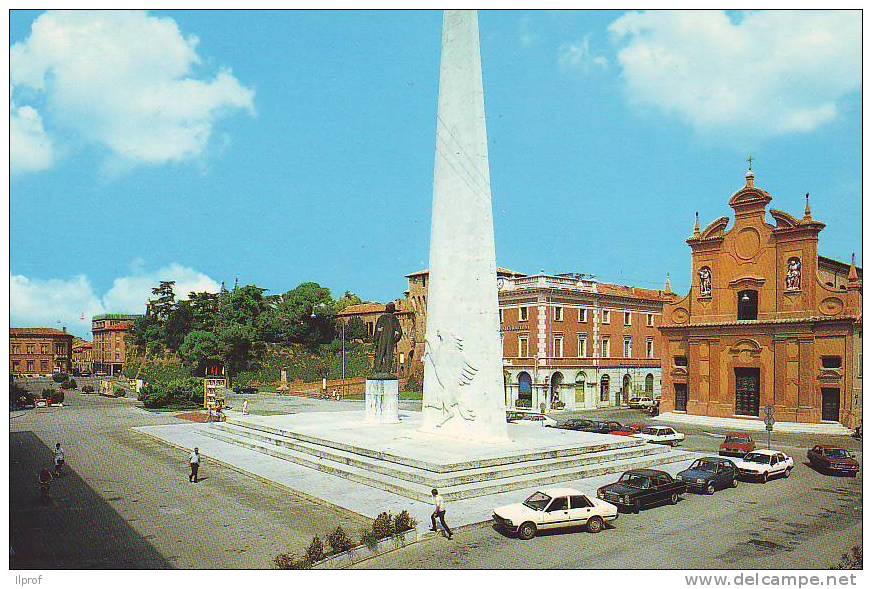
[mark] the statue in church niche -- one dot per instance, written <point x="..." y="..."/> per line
<point x="385" y="337"/>
<point x="705" y="282"/>
<point x="794" y="274"/>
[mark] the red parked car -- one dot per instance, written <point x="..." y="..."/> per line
<point x="737" y="445"/>
<point x="833" y="460"/>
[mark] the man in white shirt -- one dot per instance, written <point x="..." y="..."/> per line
<point x="58" y="460"/>
<point x="195" y="465"/>
<point x="439" y="503"/>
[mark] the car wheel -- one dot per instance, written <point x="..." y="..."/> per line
<point x="674" y="498"/>
<point x="765" y="478"/>
<point x="594" y="525"/>
<point x="637" y="506"/>
<point x="787" y="473"/>
<point x="710" y="490"/>
<point x="735" y="482"/>
<point x="527" y="531"/>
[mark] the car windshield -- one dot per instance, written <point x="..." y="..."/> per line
<point x="634" y="479"/>
<point x="650" y="431"/>
<point x="537" y="501"/>
<point x="735" y="440"/>
<point x="836" y="453"/>
<point x="758" y="458"/>
<point x="703" y="464"/>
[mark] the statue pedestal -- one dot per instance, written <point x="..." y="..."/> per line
<point x="382" y="401"/>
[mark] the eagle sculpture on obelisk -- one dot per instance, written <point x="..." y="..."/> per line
<point x="463" y="375"/>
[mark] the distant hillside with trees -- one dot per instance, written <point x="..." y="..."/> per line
<point x="253" y="335"/>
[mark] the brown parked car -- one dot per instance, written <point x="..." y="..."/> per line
<point x="736" y="444"/>
<point x="834" y="460"/>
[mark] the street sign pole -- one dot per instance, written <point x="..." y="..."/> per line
<point x="769" y="412"/>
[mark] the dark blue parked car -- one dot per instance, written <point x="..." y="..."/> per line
<point x="710" y="474"/>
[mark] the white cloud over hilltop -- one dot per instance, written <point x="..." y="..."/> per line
<point x="765" y="73"/>
<point x="45" y="303"/>
<point x="124" y="80"/>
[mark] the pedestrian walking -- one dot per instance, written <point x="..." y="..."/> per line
<point x="195" y="465"/>
<point x="245" y="407"/>
<point x="58" y="460"/>
<point x="439" y="503"/>
<point x="44" y="479"/>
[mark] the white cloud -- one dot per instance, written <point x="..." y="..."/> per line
<point x="31" y="148"/>
<point x="44" y="303"/>
<point x="129" y="293"/>
<point x="767" y="73"/>
<point x="125" y="80"/>
<point x="578" y="56"/>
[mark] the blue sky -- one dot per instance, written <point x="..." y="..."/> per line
<point x="282" y="147"/>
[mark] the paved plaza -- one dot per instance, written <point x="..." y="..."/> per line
<point x="126" y="503"/>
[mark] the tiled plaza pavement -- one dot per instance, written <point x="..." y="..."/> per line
<point x="126" y="501"/>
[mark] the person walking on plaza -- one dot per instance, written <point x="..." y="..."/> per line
<point x="195" y="465"/>
<point x="439" y="503"/>
<point x="58" y="460"/>
<point x="245" y="407"/>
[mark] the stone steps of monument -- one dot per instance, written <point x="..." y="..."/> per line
<point x="433" y="479"/>
<point x="609" y="443"/>
<point x="421" y="491"/>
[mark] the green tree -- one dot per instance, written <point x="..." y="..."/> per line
<point x="305" y="315"/>
<point x="356" y="329"/>
<point x="178" y="325"/>
<point x="237" y="341"/>
<point x="163" y="301"/>
<point x="200" y="348"/>
<point x="204" y="310"/>
<point x="346" y="300"/>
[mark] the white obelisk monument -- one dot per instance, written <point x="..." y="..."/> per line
<point x="463" y="375"/>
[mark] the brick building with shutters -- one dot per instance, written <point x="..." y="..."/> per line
<point x="39" y="351"/>
<point x="767" y="321"/>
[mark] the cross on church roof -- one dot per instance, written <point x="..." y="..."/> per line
<point x="750" y="160"/>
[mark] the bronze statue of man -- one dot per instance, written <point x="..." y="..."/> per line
<point x="385" y="337"/>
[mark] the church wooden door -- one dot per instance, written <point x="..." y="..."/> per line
<point x="748" y="391"/>
<point x="829" y="404"/>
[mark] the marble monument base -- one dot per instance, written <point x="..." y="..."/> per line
<point x="402" y="460"/>
<point x="382" y="400"/>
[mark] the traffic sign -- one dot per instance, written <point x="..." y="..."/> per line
<point x="769" y="411"/>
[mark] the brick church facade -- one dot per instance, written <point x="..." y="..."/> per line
<point x="767" y="322"/>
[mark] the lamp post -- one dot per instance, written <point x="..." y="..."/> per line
<point x="342" y="331"/>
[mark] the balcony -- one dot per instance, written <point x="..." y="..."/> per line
<point x="549" y="282"/>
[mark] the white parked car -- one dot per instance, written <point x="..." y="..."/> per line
<point x="536" y="419"/>
<point x="765" y="464"/>
<point x="661" y="435"/>
<point x="641" y="402"/>
<point x="554" y="508"/>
